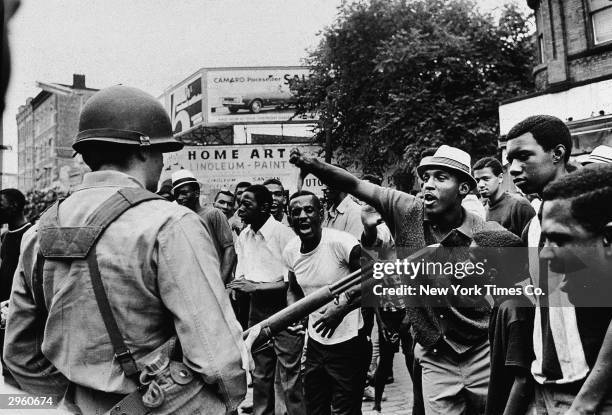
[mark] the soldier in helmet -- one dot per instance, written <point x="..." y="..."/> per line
<point x="149" y="265"/>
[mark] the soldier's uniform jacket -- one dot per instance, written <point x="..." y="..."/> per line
<point x="161" y="275"/>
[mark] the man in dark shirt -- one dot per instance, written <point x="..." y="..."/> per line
<point x="511" y="324"/>
<point x="12" y="203"/>
<point x="186" y="190"/>
<point x="511" y="211"/>
<point x="577" y="225"/>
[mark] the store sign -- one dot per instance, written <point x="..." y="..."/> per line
<point x="222" y="167"/>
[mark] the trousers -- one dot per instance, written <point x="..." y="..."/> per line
<point x="335" y="376"/>
<point x="454" y="383"/>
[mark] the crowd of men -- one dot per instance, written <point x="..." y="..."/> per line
<point x="198" y="275"/>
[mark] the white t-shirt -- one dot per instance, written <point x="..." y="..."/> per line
<point x="326" y="264"/>
<point x="260" y="253"/>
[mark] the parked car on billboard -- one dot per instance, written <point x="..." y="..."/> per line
<point x="252" y="94"/>
<point x="279" y="96"/>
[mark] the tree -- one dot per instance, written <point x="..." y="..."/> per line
<point x="393" y="77"/>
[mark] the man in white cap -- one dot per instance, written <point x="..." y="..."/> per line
<point x="452" y="345"/>
<point x="601" y="154"/>
<point x="186" y="191"/>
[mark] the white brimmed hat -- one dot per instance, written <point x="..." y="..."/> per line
<point x="601" y="154"/>
<point x="182" y="177"/>
<point x="450" y="158"/>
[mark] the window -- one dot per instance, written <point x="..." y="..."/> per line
<point x="541" y="48"/>
<point x="540" y="33"/>
<point x="601" y="18"/>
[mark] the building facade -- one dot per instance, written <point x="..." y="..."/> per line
<point x="46" y="126"/>
<point x="573" y="75"/>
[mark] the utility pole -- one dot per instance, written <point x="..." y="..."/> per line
<point x="328" y="125"/>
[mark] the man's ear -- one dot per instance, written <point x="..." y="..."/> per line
<point x="501" y="178"/>
<point x="265" y="208"/>
<point x="559" y="153"/>
<point x="464" y="188"/>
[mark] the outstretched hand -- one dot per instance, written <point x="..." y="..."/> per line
<point x="299" y="160"/>
<point x="296" y="157"/>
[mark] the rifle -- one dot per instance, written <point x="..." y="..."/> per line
<point x="324" y="295"/>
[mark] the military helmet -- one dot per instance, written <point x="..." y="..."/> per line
<point x="125" y="116"/>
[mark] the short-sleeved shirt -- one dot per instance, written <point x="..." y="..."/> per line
<point x="217" y="225"/>
<point x="260" y="254"/>
<point x="326" y="264"/>
<point x="510" y="336"/>
<point x="345" y="217"/>
<point x="511" y="211"/>
<point x="460" y="327"/>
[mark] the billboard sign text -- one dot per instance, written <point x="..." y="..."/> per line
<point x="222" y="167"/>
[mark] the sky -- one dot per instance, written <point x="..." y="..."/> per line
<point x="153" y="44"/>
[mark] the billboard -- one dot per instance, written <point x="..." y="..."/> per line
<point x="222" y="167"/>
<point x="242" y="95"/>
<point x="186" y="105"/>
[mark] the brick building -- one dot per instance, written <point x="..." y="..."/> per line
<point x="573" y="76"/>
<point x="46" y="126"/>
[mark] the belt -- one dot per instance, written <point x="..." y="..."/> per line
<point x="91" y="401"/>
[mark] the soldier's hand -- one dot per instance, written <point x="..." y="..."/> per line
<point x="370" y="218"/>
<point x="327" y="324"/>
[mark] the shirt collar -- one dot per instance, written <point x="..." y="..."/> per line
<point x="467" y="226"/>
<point x="108" y="178"/>
<point x="267" y="230"/>
<point x="343" y="206"/>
